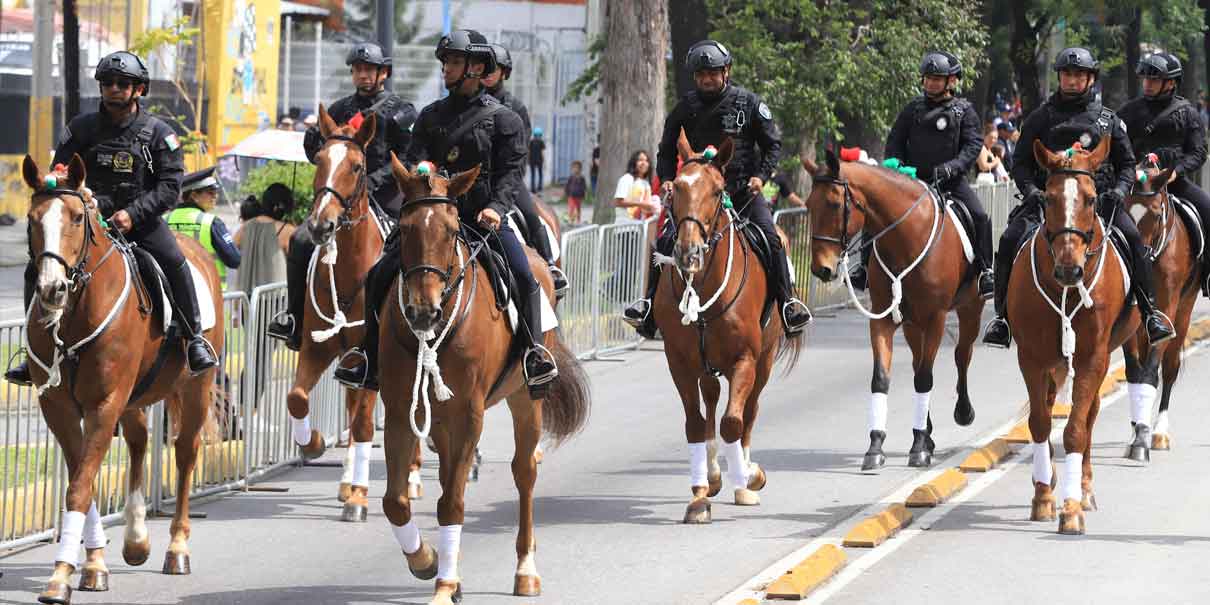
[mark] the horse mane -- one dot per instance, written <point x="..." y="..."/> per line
<point x="894" y="176"/>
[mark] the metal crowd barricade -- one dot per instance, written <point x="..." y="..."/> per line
<point x="998" y="200"/>
<point x="623" y="256"/>
<point x="817" y="294"/>
<point x="576" y="317"/>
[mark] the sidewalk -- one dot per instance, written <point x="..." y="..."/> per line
<point x="14" y="245"/>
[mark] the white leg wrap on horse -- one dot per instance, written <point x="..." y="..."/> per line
<point x="301" y="428"/>
<point x="921" y="402"/>
<point x="1042" y="469"/>
<point x="408" y="536"/>
<point x="877" y="416"/>
<point x="414" y="477"/>
<point x="697" y="465"/>
<point x="361" y="463"/>
<point x="136" y="517"/>
<point x="737" y="466"/>
<point x="449" y="542"/>
<point x="1161" y="423"/>
<point x="1073" y="473"/>
<point x="94" y="530"/>
<point x="71" y="529"/>
<point x="347" y="475"/>
<point x="1140" y="406"/>
<point x="712" y="457"/>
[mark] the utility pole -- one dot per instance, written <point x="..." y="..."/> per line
<point x="41" y="98"/>
<point x="386" y="30"/>
<point x="71" y="60"/>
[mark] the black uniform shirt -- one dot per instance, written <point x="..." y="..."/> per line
<point x="929" y="134"/>
<point x="1059" y="123"/>
<point x="1180" y="133"/>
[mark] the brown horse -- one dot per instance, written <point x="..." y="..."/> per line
<point x="1176" y="288"/>
<point x="918" y="273"/>
<point x="93" y="344"/>
<point x="442" y="278"/>
<point x="724" y="336"/>
<point x="348" y="240"/>
<point x="1067" y="308"/>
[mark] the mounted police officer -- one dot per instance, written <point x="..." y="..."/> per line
<point x="1166" y="124"/>
<point x="370" y="70"/>
<point x="534" y="229"/>
<point x="134" y="170"/>
<point x="718" y="109"/>
<point x="194" y="217"/>
<point x="1071" y="115"/>
<point x="466" y="129"/>
<point x="939" y="134"/>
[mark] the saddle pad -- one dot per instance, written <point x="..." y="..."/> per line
<point x="205" y="303"/>
<point x="967" y="248"/>
<point x="550" y="320"/>
<point x="1122" y="265"/>
<point x="1193" y="222"/>
<point x="555" y="249"/>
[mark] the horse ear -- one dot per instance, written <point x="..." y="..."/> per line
<point x="725" y="151"/>
<point x="326" y="124"/>
<point x="462" y="182"/>
<point x="1045" y="157"/>
<point x="29" y="171"/>
<point x="365" y="133"/>
<point x="399" y="171"/>
<point x="833" y="163"/>
<point x="682" y="146"/>
<point x="1099" y="154"/>
<point x="809" y="166"/>
<point x="76" y="172"/>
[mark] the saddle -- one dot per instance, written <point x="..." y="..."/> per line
<point x="1193" y="224"/>
<point x="960" y="215"/>
<point x="764" y="253"/>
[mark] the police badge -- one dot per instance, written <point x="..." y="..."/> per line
<point x="123" y="162"/>
<point x="453" y="154"/>
<point x="942" y="123"/>
<point x="1085" y="140"/>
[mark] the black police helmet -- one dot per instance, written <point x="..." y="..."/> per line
<point x="940" y="63"/>
<point x="504" y="59"/>
<point x="123" y="64"/>
<point x="1078" y="59"/>
<point x="707" y="54"/>
<point x="1160" y="65"/>
<point x="368" y="53"/>
<point x="467" y="42"/>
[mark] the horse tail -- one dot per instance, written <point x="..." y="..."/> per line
<point x="789" y="351"/>
<point x="565" y="408"/>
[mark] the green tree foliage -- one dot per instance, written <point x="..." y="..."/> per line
<point x="298" y="176"/>
<point x="808" y="60"/>
<point x="150" y="43"/>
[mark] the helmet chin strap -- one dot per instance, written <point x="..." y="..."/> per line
<point x="466" y="75"/>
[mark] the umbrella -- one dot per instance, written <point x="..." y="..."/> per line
<point x="285" y="145"/>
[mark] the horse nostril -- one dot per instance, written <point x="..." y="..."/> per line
<point x="436" y="314"/>
<point x="409" y="312"/>
<point x="825" y="274"/>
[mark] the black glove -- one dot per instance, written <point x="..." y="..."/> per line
<point x="943" y="173"/>
<point x="1112" y="198"/>
<point x="1034" y="199"/>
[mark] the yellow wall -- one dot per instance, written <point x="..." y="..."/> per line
<point x="242" y="39"/>
<point x="14" y="195"/>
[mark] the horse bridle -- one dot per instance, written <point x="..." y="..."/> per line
<point x="346" y="202"/>
<point x="77" y="277"/>
<point x="847" y="245"/>
<point x="713" y="235"/>
<point x="447" y="275"/>
<point x="1088" y="235"/>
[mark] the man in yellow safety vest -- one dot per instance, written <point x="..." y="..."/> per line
<point x="199" y="193"/>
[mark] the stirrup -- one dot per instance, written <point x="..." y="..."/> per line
<point x="342" y="367"/>
<point x="997" y="343"/>
<point x="639" y="316"/>
<point x="805" y="309"/>
<point x="558" y="275"/>
<point x="1171" y="327"/>
<point x="209" y="348"/>
<point x="283" y="318"/>
<point x="541" y="379"/>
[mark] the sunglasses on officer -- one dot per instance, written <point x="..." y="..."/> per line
<point x="121" y="83"/>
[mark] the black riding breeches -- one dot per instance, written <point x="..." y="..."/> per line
<point x="1140" y="259"/>
<point x="535" y="232"/>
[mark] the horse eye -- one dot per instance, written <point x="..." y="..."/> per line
<point x="77" y="219"/>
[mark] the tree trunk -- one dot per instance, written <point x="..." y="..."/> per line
<point x="1023" y="52"/>
<point x="1134" y="29"/>
<point x="632" y="86"/>
<point x="689" y="21"/>
<point x="1205" y="5"/>
<point x="71" y="61"/>
<point x="806" y="150"/>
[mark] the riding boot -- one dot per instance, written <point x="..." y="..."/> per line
<point x="859" y="276"/>
<point x="358" y="368"/>
<point x="538" y="364"/>
<point x="997" y="333"/>
<point x="288" y="326"/>
<point x="198" y="352"/>
<point x="638" y="314"/>
<point x="1159" y="327"/>
<point x="794" y="313"/>
<point x="20" y="373"/>
<point x="983" y="254"/>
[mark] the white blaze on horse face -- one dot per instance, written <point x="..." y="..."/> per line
<point x="336" y="157"/>
<point x="52" y="272"/>
<point x="1070" y="190"/>
<point x="427" y="217"/>
<point x="689" y="179"/>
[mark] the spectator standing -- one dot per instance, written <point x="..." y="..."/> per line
<point x="779" y="189"/>
<point x="1006" y="139"/>
<point x="263" y="237"/>
<point x="575" y="190"/>
<point x="537" y="159"/>
<point x="634" y="188"/>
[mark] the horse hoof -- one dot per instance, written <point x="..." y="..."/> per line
<point x="1161" y="441"/>
<point x="964" y="415"/>
<point x="447" y="593"/>
<point x="415" y="491"/>
<point x="698" y="512"/>
<point x="1043" y="509"/>
<point x="873" y="461"/>
<point x="1089" y="501"/>
<point x="343" y="493"/>
<point x="527" y="586"/>
<point x="353" y="513"/>
<point x="920" y="459"/>
<point x="746" y="497"/>
<point x="315" y="448"/>
<point x="56" y="592"/>
<point x="423" y="562"/>
<point x="136" y="553"/>
<point x="758" y="479"/>
<point x="176" y="564"/>
<point x="1138" y="452"/>
<point x="715" y="484"/>
<point x="94" y="580"/>
<point x="1071" y="520"/>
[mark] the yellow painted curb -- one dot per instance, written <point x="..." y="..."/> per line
<point x="1019" y="433"/>
<point x="877" y="529"/>
<point x="938" y="490"/>
<point x="987" y="457"/>
<point x="1060" y="410"/>
<point x="749" y="602"/>
<point x="814" y="570"/>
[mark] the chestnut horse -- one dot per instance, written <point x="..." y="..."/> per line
<point x="348" y="240"/>
<point x="1067" y="308"/>
<point x="443" y="292"/>
<point x="919" y="273"/>
<point x="93" y="343"/>
<point x="1176" y="287"/>
<point x="723" y="336"/>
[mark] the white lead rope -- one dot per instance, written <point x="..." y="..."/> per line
<point x="1068" y="346"/>
<point x="896" y="280"/>
<point x="54" y="376"/>
<point x="338" y="321"/>
<point x="427" y="369"/>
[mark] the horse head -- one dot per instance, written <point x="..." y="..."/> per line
<point x="428" y="238"/>
<point x="836" y="216"/>
<point x="1150" y="191"/>
<point x="59" y="229"/>
<point x="697" y="201"/>
<point x="1071" y="201"/>
<point x="341" y="190"/>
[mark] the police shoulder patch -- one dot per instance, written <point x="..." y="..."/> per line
<point x="765" y="112"/>
<point x="172" y="142"/>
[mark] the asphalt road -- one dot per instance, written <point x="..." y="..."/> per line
<point x="609" y="505"/>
